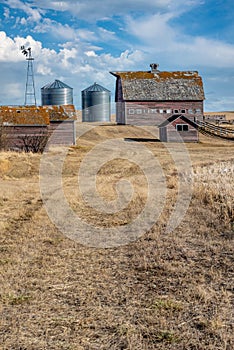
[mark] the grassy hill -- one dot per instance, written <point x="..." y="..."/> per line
<point x="164" y="290"/>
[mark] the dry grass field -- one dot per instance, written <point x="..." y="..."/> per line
<point x="165" y="290"/>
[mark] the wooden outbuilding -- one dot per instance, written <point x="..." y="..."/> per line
<point x="178" y="128"/>
<point x="29" y="127"/>
<point x="150" y="97"/>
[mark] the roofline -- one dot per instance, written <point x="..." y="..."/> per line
<point x="116" y="74"/>
<point x="25" y="125"/>
<point x="176" y="116"/>
<point x="171" y="100"/>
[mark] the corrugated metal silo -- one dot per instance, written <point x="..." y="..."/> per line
<point x="56" y="94"/>
<point x="96" y="102"/>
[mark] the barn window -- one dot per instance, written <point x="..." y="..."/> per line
<point x="161" y="111"/>
<point x="198" y="110"/>
<point x="168" y="110"/>
<point x="131" y="111"/>
<point x="182" y="127"/>
<point x="190" y="111"/>
<point x="176" y="111"/>
<point x="139" y="111"/>
<point x="183" y="111"/>
<point x="153" y="110"/>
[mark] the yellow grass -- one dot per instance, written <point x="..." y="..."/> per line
<point x="163" y="291"/>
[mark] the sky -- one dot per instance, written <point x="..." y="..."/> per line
<point x="80" y="41"/>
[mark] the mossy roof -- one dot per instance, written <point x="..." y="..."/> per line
<point x="35" y="115"/>
<point x="161" y="86"/>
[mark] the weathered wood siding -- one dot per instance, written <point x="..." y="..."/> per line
<point x="62" y="133"/>
<point x="170" y="134"/>
<point x="154" y="113"/>
<point x="186" y="136"/>
<point x="163" y="134"/>
<point x="120" y="113"/>
<point x="118" y="90"/>
<point x="13" y="136"/>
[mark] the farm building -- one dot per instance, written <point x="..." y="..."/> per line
<point x="178" y="128"/>
<point x="25" y="127"/>
<point x="148" y="98"/>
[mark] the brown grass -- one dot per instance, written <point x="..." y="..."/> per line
<point x="163" y="291"/>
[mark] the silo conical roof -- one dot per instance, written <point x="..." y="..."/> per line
<point x="95" y="87"/>
<point x="57" y="84"/>
<point x="56" y="93"/>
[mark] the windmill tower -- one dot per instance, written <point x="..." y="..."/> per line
<point x="30" y="96"/>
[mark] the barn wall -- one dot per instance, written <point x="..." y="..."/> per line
<point x="120" y="113"/>
<point x="14" y="136"/>
<point x="187" y="136"/>
<point x="118" y="91"/>
<point x="62" y="133"/>
<point x="154" y="113"/>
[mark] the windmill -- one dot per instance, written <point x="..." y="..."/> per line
<point x="30" y="96"/>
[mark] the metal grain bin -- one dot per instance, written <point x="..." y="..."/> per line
<point x="96" y="103"/>
<point x="56" y="94"/>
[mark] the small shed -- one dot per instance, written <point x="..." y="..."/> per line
<point x="29" y="127"/>
<point x="178" y="128"/>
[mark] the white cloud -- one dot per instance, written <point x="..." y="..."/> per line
<point x="64" y="32"/>
<point x="6" y="12"/>
<point x="157" y="36"/>
<point x="76" y="63"/>
<point x="101" y="9"/>
<point x="10" y="48"/>
<point x="34" y="14"/>
<point x="153" y="30"/>
<point x="139" y="34"/>
<point x="90" y="53"/>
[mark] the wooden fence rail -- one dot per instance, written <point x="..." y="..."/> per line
<point x="214" y="130"/>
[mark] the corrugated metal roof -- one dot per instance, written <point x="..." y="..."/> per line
<point x="161" y="86"/>
<point x="57" y="84"/>
<point x="95" y="87"/>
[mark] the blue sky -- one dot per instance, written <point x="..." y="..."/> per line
<point x="79" y="42"/>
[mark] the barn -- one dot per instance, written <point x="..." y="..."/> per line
<point x="150" y="97"/>
<point x="29" y="127"/>
<point x="178" y="128"/>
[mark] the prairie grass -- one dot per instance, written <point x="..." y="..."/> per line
<point x="171" y="291"/>
<point x="214" y="187"/>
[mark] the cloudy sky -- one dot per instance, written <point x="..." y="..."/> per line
<point x="80" y="41"/>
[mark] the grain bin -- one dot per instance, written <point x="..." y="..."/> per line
<point x="56" y="94"/>
<point x="96" y="104"/>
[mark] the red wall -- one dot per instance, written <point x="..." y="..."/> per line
<point x="148" y="113"/>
